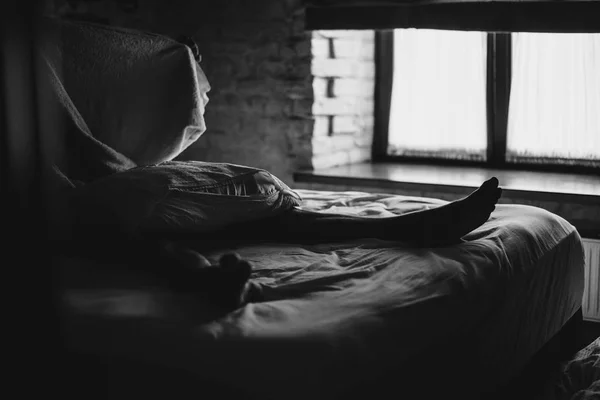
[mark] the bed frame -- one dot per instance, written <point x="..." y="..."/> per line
<point x="95" y="378"/>
<point x="546" y="362"/>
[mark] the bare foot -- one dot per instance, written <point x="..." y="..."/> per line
<point x="450" y="222"/>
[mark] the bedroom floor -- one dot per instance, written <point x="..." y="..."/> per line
<point x="591" y="331"/>
<point x="540" y="372"/>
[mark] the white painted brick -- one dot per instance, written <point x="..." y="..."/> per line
<point x="319" y="47"/>
<point x="368" y="128"/>
<point x="320" y="87"/>
<point x="368" y="121"/>
<point x="330" y="160"/>
<point x="364" y="87"/>
<point x="319" y="34"/>
<point x="343" y="68"/>
<point x="357" y="50"/>
<point x="351" y="110"/>
<point x="332" y="144"/>
<point x="356" y="124"/>
<point x="352" y="123"/>
<point x="367" y="35"/>
<point x="346" y="124"/>
<point x="343" y="106"/>
<point x="362" y="122"/>
<point x="334" y="106"/>
<point x="342" y="157"/>
<point x="321" y="126"/>
<point x="359" y="154"/>
<point x="363" y="139"/>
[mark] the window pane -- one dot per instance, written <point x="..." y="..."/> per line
<point x="439" y="94"/>
<point x="554" y="107"/>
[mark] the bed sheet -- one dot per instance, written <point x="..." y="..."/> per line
<point x="338" y="318"/>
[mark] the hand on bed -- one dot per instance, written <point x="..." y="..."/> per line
<point x="226" y="285"/>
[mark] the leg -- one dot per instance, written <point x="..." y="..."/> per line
<point x="228" y="282"/>
<point x="441" y="225"/>
<point x="445" y="224"/>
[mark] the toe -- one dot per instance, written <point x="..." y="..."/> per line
<point x="491" y="184"/>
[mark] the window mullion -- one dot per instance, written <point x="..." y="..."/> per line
<point x="384" y="75"/>
<point x="499" y="78"/>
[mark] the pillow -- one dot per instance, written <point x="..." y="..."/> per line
<point x="180" y="197"/>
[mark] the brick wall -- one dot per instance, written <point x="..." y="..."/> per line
<point x="265" y="109"/>
<point x="344" y="82"/>
<point x="257" y="57"/>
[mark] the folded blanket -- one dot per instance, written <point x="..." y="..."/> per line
<point x="85" y="158"/>
<point x="180" y="197"/>
<point x="137" y="92"/>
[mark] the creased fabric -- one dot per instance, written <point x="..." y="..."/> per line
<point x="578" y="378"/>
<point x="138" y="92"/>
<point x="83" y="158"/>
<point x="362" y="318"/>
<point x="177" y="197"/>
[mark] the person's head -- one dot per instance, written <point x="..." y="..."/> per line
<point x="203" y="85"/>
<point x="190" y="116"/>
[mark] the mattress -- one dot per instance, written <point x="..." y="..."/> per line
<point x="351" y="318"/>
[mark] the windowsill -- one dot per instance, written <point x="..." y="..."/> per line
<point x="578" y="195"/>
<point x="460" y="180"/>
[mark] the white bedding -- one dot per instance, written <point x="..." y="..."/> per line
<point x="339" y="317"/>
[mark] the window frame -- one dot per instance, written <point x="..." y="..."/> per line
<point x="499" y="69"/>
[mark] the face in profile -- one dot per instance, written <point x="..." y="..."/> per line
<point x="172" y="147"/>
<point x="204" y="86"/>
<point x="203" y="89"/>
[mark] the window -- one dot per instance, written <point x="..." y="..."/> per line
<point x="554" y="110"/>
<point x="504" y="100"/>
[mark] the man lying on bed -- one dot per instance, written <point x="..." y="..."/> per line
<point x="443" y="225"/>
<point x="88" y="159"/>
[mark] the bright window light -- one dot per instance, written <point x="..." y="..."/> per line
<point x="555" y="97"/>
<point x="438" y="105"/>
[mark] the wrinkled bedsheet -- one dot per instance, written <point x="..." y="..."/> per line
<point x="337" y="317"/>
<point x="579" y="378"/>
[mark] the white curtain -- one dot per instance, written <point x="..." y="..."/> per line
<point x="439" y="93"/>
<point x="555" y="96"/>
